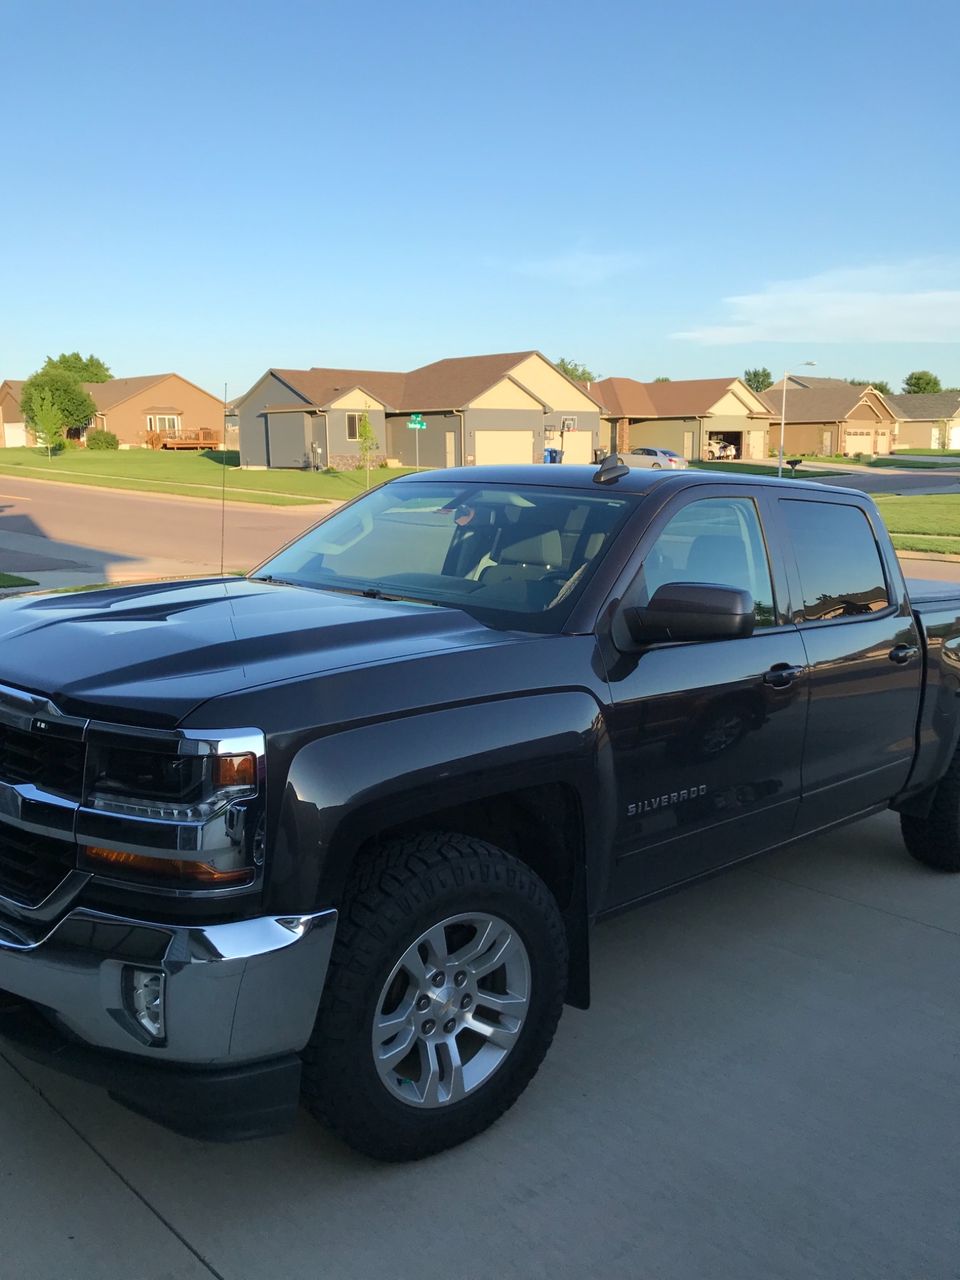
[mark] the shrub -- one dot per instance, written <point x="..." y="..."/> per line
<point x="102" y="440"/>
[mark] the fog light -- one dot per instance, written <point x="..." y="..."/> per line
<point x="144" y="997"/>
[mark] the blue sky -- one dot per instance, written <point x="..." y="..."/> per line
<point x="682" y="189"/>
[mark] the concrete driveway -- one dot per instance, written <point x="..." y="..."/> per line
<point x="766" y="1087"/>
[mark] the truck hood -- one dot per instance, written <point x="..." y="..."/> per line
<point x="149" y="655"/>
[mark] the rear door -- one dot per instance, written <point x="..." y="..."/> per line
<point x="863" y="656"/>
<point x="707" y="737"/>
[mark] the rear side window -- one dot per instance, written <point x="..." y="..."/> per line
<point x="841" y="572"/>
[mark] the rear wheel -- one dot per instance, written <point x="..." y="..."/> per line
<point x="655" y="466"/>
<point x="444" y="992"/>
<point x="934" y="839"/>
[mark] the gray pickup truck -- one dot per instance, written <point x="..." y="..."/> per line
<point x="339" y="830"/>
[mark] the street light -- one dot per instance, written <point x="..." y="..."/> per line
<point x="783" y="412"/>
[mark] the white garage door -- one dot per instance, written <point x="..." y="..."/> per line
<point x="494" y="448"/>
<point x="578" y="446"/>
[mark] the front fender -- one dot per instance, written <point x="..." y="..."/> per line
<point x="343" y="789"/>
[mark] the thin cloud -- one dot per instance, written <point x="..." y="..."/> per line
<point x="915" y="301"/>
<point x="580" y="269"/>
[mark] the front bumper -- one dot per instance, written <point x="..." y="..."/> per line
<point x="240" y="1000"/>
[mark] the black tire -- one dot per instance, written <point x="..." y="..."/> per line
<point x="935" y="839"/>
<point x="394" y="896"/>
<point x="655" y="466"/>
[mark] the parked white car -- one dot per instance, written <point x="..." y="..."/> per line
<point x="658" y="459"/>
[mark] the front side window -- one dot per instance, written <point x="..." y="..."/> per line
<point x="717" y="541"/>
<point x="841" y="572"/>
<point x="509" y="555"/>
<point x="353" y="426"/>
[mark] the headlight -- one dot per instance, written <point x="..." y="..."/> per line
<point x="176" y="811"/>
<point x="167" y="785"/>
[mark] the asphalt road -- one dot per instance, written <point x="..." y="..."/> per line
<point x="765" y="1089"/>
<point x="113" y="536"/>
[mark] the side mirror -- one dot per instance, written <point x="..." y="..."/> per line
<point x="687" y="611"/>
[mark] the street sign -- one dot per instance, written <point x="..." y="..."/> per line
<point x="416" y="423"/>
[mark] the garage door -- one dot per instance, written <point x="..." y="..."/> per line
<point x="858" y="442"/>
<point x="578" y="446"/>
<point x="494" y="448"/>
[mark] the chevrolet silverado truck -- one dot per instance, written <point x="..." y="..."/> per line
<point x="339" y="830"/>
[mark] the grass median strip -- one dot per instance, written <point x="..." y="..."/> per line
<point x="190" y="475"/>
<point x="11" y="580"/>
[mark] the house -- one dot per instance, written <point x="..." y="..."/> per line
<point x="13" y="429"/>
<point x="161" y="409"/>
<point x="927" y="421"/>
<point x="689" y="416"/>
<point x="501" y="408"/>
<point x="829" y="415"/>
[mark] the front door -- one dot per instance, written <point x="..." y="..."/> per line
<point x="863" y="651"/>
<point x="707" y="737"/>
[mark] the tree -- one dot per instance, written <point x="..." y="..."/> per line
<point x="47" y="423"/>
<point x="662" y="378"/>
<point x="75" y="405"/>
<point x="367" y="443"/>
<point x="84" y="368"/>
<point x="878" y="384"/>
<point x="576" y="372"/>
<point x="920" y="382"/>
<point x="758" y="379"/>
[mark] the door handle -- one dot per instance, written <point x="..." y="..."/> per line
<point x="782" y="675"/>
<point x="901" y="654"/>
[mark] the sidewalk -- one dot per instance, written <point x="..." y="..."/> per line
<point x="57" y="565"/>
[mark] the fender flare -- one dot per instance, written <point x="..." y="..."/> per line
<point x="342" y="789"/>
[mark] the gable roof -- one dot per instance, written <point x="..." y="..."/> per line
<point x="925" y="408"/>
<point x="321" y="386"/>
<point x="453" y="383"/>
<point x="686" y="398"/>
<point x="107" y="395"/>
<point x="445" y="385"/>
<point x="832" y="401"/>
<point x="12" y="387"/>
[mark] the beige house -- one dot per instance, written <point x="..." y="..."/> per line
<point x="503" y="408"/>
<point x="927" y="421"/>
<point x="691" y="417"/>
<point x="161" y="409"/>
<point x="13" y="429"/>
<point x="828" y="415"/>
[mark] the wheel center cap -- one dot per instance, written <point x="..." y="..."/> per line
<point x="445" y="1002"/>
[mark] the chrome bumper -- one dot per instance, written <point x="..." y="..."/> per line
<point x="233" y="993"/>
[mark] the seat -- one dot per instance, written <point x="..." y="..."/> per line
<point x="718" y="558"/>
<point x="527" y="560"/>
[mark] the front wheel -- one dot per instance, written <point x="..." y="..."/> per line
<point x="444" y="992"/>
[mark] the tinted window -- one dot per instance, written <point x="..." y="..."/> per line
<point x="511" y="555"/>
<point x="841" y="573"/>
<point x="715" y="540"/>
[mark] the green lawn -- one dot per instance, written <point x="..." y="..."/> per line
<point x="932" y="453"/>
<point x="762" y="469"/>
<point x="11" y="580"/>
<point x="915" y="464"/>
<point x="189" y="475"/>
<point x="930" y="523"/>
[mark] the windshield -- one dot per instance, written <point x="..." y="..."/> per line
<point x="514" y="556"/>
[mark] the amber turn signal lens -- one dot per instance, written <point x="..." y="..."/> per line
<point x="234" y="771"/>
<point x="163" y="868"/>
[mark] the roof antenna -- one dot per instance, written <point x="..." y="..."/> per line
<point x="223" y="481"/>
<point x="610" y="469"/>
